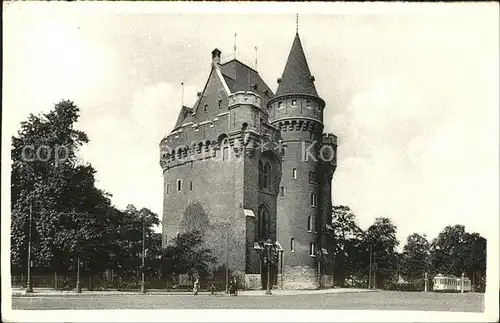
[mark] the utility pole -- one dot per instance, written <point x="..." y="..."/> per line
<point x="143" y="253"/>
<point x="370" y="269"/>
<point x="29" y="287"/>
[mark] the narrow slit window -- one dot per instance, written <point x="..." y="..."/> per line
<point x="168" y="188"/>
<point x="179" y="185"/>
<point x="282" y="191"/>
<point x="292" y="244"/>
<point x="190" y="186"/>
<point x="294" y="173"/>
<point x="220" y="104"/>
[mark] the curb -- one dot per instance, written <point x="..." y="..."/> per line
<point x="158" y="293"/>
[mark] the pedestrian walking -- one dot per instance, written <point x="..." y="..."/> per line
<point x="235" y="286"/>
<point x="196" y="286"/>
<point x="230" y="287"/>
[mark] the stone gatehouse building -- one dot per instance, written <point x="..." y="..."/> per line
<point x="244" y="164"/>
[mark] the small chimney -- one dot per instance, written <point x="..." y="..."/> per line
<point x="216" y="56"/>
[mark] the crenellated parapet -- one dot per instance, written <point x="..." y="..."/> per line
<point x="244" y="97"/>
<point x="302" y="124"/>
<point x="239" y="143"/>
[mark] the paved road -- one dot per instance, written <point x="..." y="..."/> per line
<point x="383" y="300"/>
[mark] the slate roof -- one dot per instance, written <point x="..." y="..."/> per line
<point x="296" y="76"/>
<point x="184" y="116"/>
<point x="240" y="77"/>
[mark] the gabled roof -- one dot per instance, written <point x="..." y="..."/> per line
<point x="296" y="76"/>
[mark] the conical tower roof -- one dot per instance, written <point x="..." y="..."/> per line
<point x="296" y="77"/>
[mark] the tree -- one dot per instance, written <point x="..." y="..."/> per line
<point x="456" y="251"/>
<point x="415" y="258"/>
<point x="187" y="255"/>
<point x="127" y="254"/>
<point x="48" y="179"/>
<point x="381" y="238"/>
<point x="347" y="237"/>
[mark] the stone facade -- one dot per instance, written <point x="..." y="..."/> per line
<point x="243" y="165"/>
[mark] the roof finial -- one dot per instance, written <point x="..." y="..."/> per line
<point x="234" y="46"/>
<point x="297" y="23"/>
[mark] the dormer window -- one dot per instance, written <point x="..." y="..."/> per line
<point x="280" y="105"/>
<point x="294" y="103"/>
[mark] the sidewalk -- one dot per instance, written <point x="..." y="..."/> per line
<point x="37" y="292"/>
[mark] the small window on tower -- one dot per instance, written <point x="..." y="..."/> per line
<point x="294" y="102"/>
<point x="205" y="108"/>
<point x="220" y="104"/>
<point x="280" y="105"/>
<point x="190" y="186"/>
<point x="308" y="104"/>
<point x="312" y="249"/>
<point x="179" y="185"/>
<point x="168" y="188"/>
<point x="292" y="245"/>
<point x="294" y="173"/>
<point x="310" y="223"/>
<point x="282" y="191"/>
<point x="314" y="199"/>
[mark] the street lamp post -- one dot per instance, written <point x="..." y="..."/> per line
<point x="29" y="287"/>
<point x="143" y="290"/>
<point x="370" y="269"/>
<point x="78" y="287"/>
<point x="227" y="259"/>
<point x="268" y="246"/>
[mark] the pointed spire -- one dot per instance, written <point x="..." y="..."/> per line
<point x="296" y="77"/>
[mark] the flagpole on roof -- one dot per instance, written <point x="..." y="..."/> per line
<point x="234" y="47"/>
<point x="256" y="57"/>
<point x="182" y="94"/>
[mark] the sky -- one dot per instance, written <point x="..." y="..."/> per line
<point x="412" y="97"/>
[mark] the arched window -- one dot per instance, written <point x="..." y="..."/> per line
<point x="264" y="175"/>
<point x="225" y="149"/>
<point x="263" y="224"/>
<point x="266" y="178"/>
